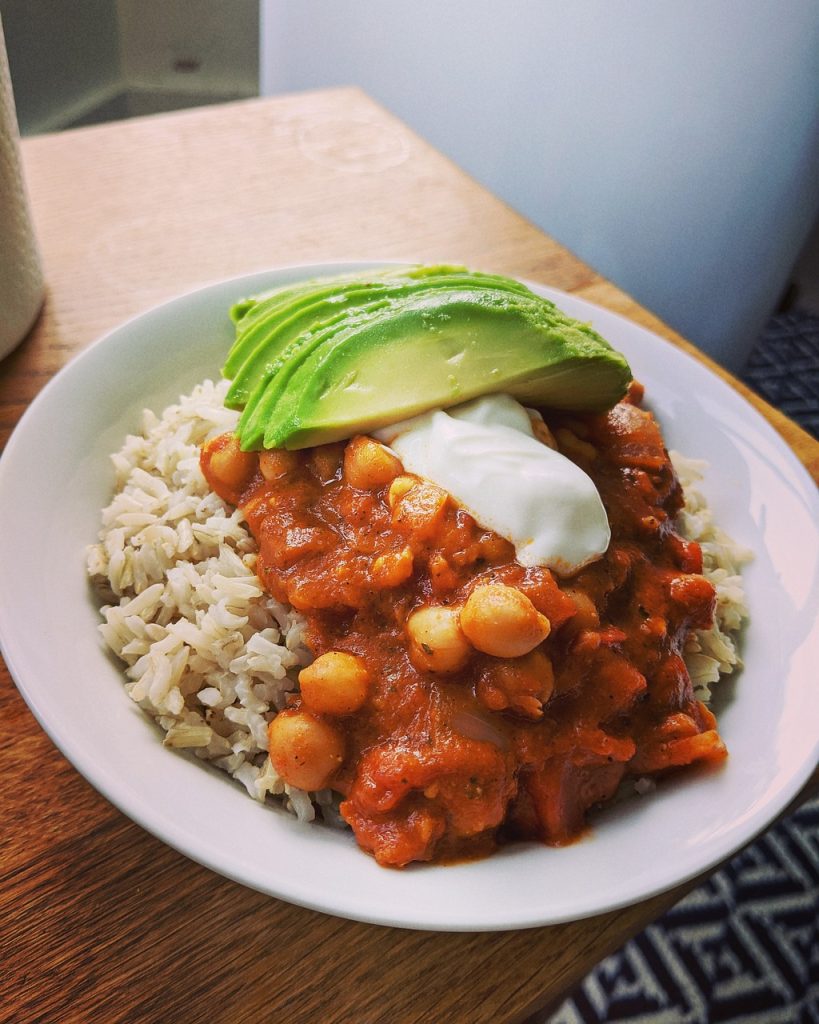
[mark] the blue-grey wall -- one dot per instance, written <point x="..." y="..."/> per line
<point x="675" y="146"/>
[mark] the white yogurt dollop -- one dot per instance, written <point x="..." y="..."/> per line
<point x="485" y="455"/>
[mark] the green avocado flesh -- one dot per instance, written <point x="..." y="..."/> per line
<point x="269" y="333"/>
<point x="270" y="391"/>
<point x="326" y="359"/>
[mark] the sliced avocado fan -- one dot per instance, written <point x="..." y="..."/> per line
<point x="327" y="359"/>
<point x="265" y="331"/>
<point x="267" y="373"/>
<point x="252" y="313"/>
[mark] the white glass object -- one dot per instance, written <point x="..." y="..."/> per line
<point x="21" y="276"/>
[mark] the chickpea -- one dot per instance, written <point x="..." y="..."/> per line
<point x="421" y="510"/>
<point x="502" y="621"/>
<point x="538" y="667"/>
<point x="276" y="462"/>
<point x="368" y="465"/>
<point x="399" y="487"/>
<point x="325" y="461"/>
<point x="229" y="465"/>
<point x="304" y="750"/>
<point x="586" y="616"/>
<point x="437" y="642"/>
<point x="522" y="684"/>
<point x="392" y="568"/>
<point x="335" y="684"/>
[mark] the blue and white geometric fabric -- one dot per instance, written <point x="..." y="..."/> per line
<point x="741" y="949"/>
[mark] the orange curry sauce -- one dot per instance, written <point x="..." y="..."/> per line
<point x="438" y="766"/>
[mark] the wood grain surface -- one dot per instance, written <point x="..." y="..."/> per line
<point x="99" y="921"/>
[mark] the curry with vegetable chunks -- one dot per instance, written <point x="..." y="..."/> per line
<point x="457" y="699"/>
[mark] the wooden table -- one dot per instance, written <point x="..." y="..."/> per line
<point x="99" y="921"/>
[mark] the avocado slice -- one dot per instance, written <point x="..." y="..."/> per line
<point x="320" y="360"/>
<point x="253" y="315"/>
<point x="266" y="393"/>
<point x="262" y="382"/>
<point x="439" y="348"/>
<point x="264" y="332"/>
<point x="258" y="347"/>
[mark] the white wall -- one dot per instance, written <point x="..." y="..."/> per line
<point x="672" y="145"/>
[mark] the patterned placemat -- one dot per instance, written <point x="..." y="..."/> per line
<point x="784" y="367"/>
<point x="744" y="947"/>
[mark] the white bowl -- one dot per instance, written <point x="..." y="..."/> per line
<point x="55" y="477"/>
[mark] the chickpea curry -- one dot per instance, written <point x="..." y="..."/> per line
<point x="458" y="699"/>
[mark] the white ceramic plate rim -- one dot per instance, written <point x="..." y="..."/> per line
<point x="761" y="493"/>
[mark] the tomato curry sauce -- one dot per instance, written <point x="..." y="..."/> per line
<point x="442" y="738"/>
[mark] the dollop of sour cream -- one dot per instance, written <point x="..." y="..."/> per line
<point x="485" y="454"/>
